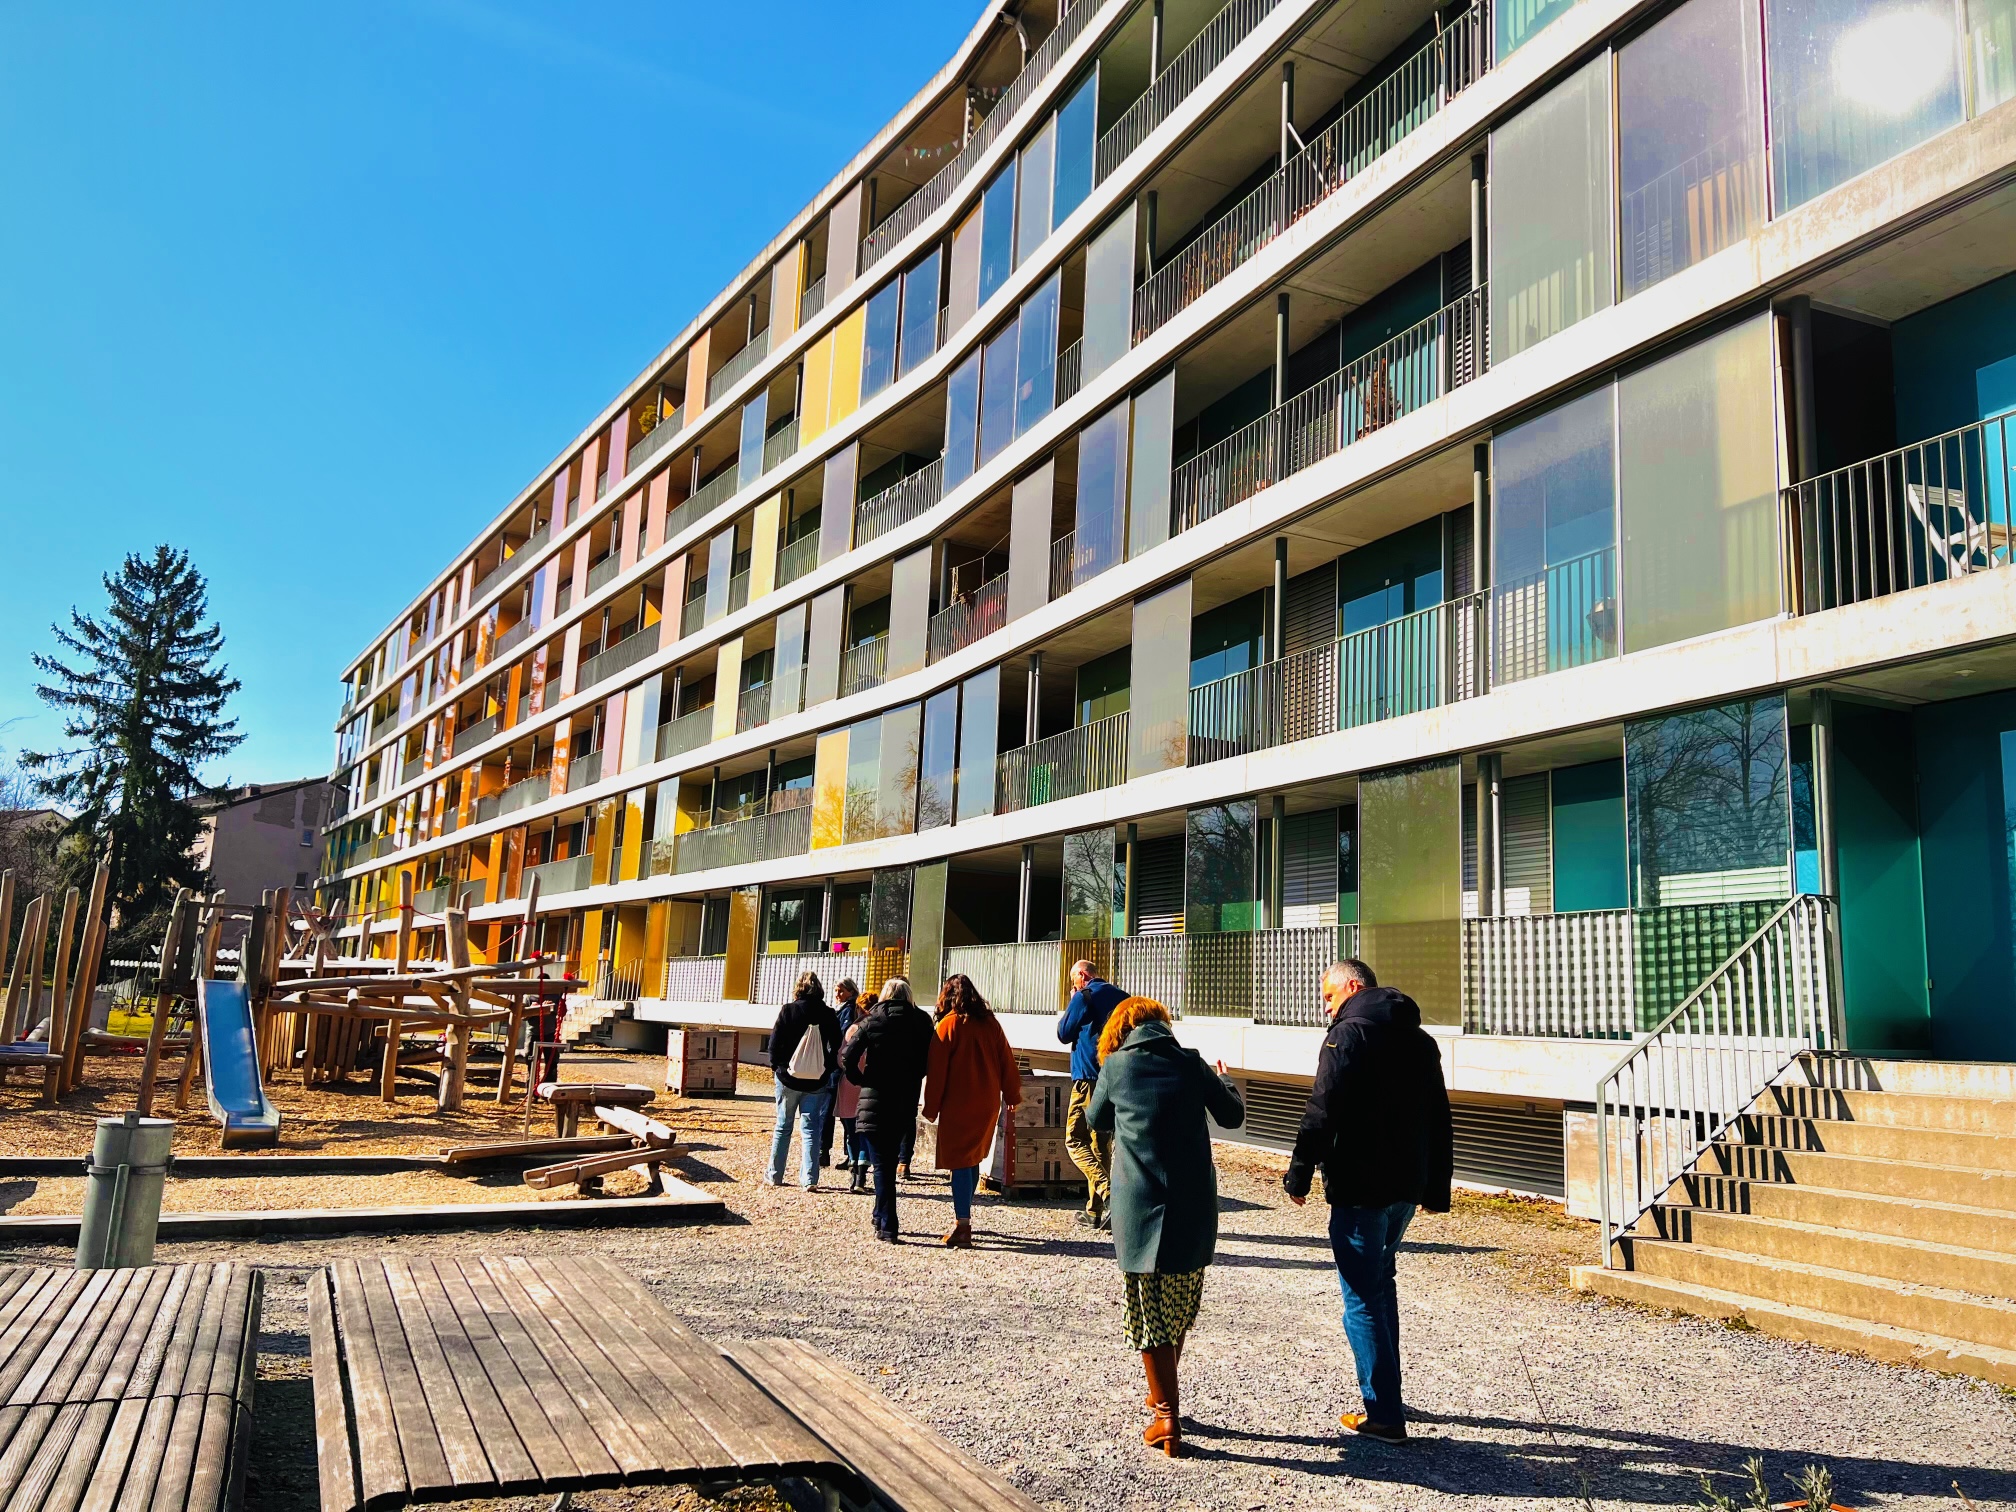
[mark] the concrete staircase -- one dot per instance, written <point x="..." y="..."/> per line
<point x="586" y="1016"/>
<point x="1865" y="1205"/>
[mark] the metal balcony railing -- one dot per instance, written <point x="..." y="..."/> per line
<point x="517" y="559"/>
<point x="1077" y="761"/>
<point x="1015" y="978"/>
<point x="1560" y="617"/>
<point x="798" y="558"/>
<point x="1926" y="513"/>
<point x="914" y="211"/>
<point x="781" y="445"/>
<point x="1175" y="84"/>
<point x="604" y="571"/>
<point x="709" y="495"/>
<point x="739" y="842"/>
<point x="1418" y="661"/>
<point x="624" y="654"/>
<point x="521" y="795"/>
<point x="693" y="979"/>
<point x="655" y="440"/>
<point x="900" y="502"/>
<point x="693" y="617"/>
<point x="412" y="769"/>
<point x="863" y="666"/>
<point x="1416" y="367"/>
<point x="570" y="875"/>
<point x="470" y="736"/>
<point x="965" y="621"/>
<point x="753" y="709"/>
<point x="686" y="733"/>
<point x="1070" y="370"/>
<point x="1454" y="60"/>
<point x="738" y="592"/>
<point x="742" y="363"/>
<point x="813" y="300"/>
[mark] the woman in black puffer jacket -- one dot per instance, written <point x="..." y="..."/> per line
<point x="887" y="1060"/>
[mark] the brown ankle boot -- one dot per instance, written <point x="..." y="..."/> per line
<point x="961" y="1236"/>
<point x="1165" y="1432"/>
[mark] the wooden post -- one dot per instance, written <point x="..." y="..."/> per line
<point x="59" y="989"/>
<point x="36" y="942"/>
<point x="278" y="902"/>
<point x="206" y="970"/>
<point x="179" y="918"/>
<point x="514" y="1023"/>
<point x="402" y="953"/>
<point x="84" y="985"/>
<point x="456" y="1067"/>
<point x="27" y="945"/>
<point x="6" y="917"/>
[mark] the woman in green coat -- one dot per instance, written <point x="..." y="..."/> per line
<point x="1152" y="1096"/>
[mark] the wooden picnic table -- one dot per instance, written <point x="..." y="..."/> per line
<point x="447" y="1378"/>
<point x="126" y="1388"/>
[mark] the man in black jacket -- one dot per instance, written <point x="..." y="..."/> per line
<point x="1378" y="1125"/>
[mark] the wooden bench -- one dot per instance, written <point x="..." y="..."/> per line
<point x="648" y="1144"/>
<point x="126" y="1388"/>
<point x="907" y="1466"/>
<point x="32" y="1057"/>
<point x="456" y="1378"/>
<point x="571" y="1099"/>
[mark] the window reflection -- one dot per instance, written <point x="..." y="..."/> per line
<point x="1218" y="894"/>
<point x="1709" y="806"/>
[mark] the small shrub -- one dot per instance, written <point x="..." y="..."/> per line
<point x="1814" y="1484"/>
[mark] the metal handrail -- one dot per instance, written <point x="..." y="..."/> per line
<point x="686" y="733"/>
<point x="1176" y="83"/>
<point x="1676" y="1091"/>
<point x="899" y="503"/>
<point x="1447" y="65"/>
<point x="1065" y="765"/>
<point x="863" y="667"/>
<point x="1925" y="513"/>
<point x="654" y="441"/>
<point x="780" y="444"/>
<point x="753" y="709"/>
<point x="1070" y="370"/>
<point x="813" y="300"/>
<point x="960" y="624"/>
<point x="798" y="558"/>
<point x="1394" y="379"/>
<point x="619" y="657"/>
<point x="742" y="363"/>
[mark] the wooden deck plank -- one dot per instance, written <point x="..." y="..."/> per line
<point x="461" y="1445"/>
<point x="210" y="1472"/>
<point x="23" y="1446"/>
<point x="243" y="1293"/>
<point x="510" y="1464"/>
<point x="108" y="1473"/>
<point x="134" y="1374"/>
<point x="125" y="1332"/>
<point x="178" y="1452"/>
<point x="381" y="1467"/>
<point x="550" y="1427"/>
<point x="631" y="1454"/>
<point x="64" y="1348"/>
<point x="150" y="1445"/>
<point x="419" y="1441"/>
<point x="335" y="1466"/>
<point x="81" y="1457"/>
<point x="37" y="1319"/>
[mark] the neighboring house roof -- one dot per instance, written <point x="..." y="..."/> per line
<point x="35" y="818"/>
<point x="252" y="792"/>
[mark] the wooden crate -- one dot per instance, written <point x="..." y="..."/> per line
<point x="700" y="1062"/>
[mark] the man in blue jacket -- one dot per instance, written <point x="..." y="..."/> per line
<point x="1091" y="1001"/>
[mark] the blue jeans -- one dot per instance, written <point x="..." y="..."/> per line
<point x="965" y="1181"/>
<point x="808" y="1108"/>
<point x="1366" y="1242"/>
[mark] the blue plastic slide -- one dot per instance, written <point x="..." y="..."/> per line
<point x="231" y="1066"/>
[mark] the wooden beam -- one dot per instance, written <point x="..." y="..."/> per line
<point x="455" y="1075"/>
<point x="637" y="1125"/>
<point x="59" y="991"/>
<point x="402" y="949"/>
<point x="31" y="931"/>
<point x="179" y="917"/>
<point x="84" y="986"/>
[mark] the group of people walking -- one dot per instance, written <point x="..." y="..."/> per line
<point x="1377" y="1125"/>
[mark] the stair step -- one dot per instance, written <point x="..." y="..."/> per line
<point x="1912" y="1110"/>
<point x="1924" y="1309"/>
<point x="1914" y="1261"/>
<point x="1867" y="1173"/>
<point x="1990" y="1230"/>
<point x="1813" y="1325"/>
<point x="1989" y="1079"/>
<point x="1980" y="1152"/>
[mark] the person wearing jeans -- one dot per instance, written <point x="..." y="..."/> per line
<point x="803" y="1068"/>
<point x="804" y="1109"/>
<point x="1377" y="1124"/>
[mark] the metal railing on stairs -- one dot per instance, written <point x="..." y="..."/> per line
<point x="1676" y="1091"/>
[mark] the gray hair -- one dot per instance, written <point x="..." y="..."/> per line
<point x="1085" y="966"/>
<point x="896" y="989"/>
<point x="1351" y="969"/>
<point x="808" y="981"/>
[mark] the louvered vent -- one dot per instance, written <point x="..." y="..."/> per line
<point x="1158" y="886"/>
<point x="1274" y="1112"/>
<point x="1508" y="1145"/>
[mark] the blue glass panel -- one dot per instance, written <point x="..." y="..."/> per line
<point x="749" y="463"/>
<point x="920" y="314"/>
<point x="1036" y="356"/>
<point x="1077" y="134"/>
<point x="962" y="420"/>
<point x="997" y="231"/>
<point x="997" y="393"/>
<point x="878" y="340"/>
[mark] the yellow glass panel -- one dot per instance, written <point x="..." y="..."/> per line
<point x="763" y="546"/>
<point x="847" y="366"/>
<point x="1410" y="876"/>
<point x="632" y="926"/>
<point x="829" y="789"/>
<point x="633" y="835"/>
<point x="605" y="838"/>
<point x="739" y="970"/>
<point x="727" y="686"/>
<point x="656" y="920"/>
<point x="818" y="387"/>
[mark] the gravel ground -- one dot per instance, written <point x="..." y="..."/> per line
<point x="1496" y="1349"/>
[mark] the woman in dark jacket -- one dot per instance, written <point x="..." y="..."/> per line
<point x="887" y="1059"/>
<point x="801" y="1097"/>
<point x="1152" y="1097"/>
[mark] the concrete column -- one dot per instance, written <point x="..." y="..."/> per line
<point x="1155" y="42"/>
<point x="1480" y="514"/>
<point x="1287" y="110"/>
<point x="1023" y="892"/>
<point x="1479" y="217"/>
<point x="1031" y="725"/>
<point x="1277" y="622"/>
<point x="1280" y="349"/>
<point x="1805" y="442"/>
<point x="1823" y="792"/>
<point x="1151" y="219"/>
<point x="1487" y="837"/>
<point x="1277" y="868"/>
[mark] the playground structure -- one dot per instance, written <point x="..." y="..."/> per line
<point x="50" y="1046"/>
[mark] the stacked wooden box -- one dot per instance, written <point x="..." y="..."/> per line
<point x="1028" y="1151"/>
<point x="700" y="1062"/>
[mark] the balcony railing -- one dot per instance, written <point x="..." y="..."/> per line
<point x="470" y="736"/>
<point x="781" y="445"/>
<point x="604" y="571"/>
<point x="914" y="211"/>
<point x="758" y="837"/>
<point x="1175" y="84"/>
<point x="693" y="617"/>
<point x="693" y="979"/>
<point x="1070" y="370"/>
<point x="863" y="666"/>
<point x="813" y="300"/>
<point x="1022" y="978"/>
<point x="967" y="620"/>
<point x="715" y="491"/>
<point x="753" y="709"/>
<point x="1418" y="661"/>
<point x="512" y="639"/>
<point x="1421" y="86"/>
<point x="1926" y="513"/>
<point x="584" y="771"/>
<point x="522" y="795"/>
<point x="798" y="558"/>
<point x="1563" y="616"/>
<point x="571" y="875"/>
<point x="624" y="654"/>
<point x="686" y="733"/>
<point x="737" y="367"/>
<point x="1416" y="367"/>
<point x="655" y="440"/>
<point x="899" y="503"/>
<point x="738" y="592"/>
<point x="504" y="568"/>
<point x="1082" y="760"/>
<point x="412" y="769"/>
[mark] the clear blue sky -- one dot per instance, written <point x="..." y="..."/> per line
<point x="311" y="291"/>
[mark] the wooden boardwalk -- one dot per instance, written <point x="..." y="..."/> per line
<point x="126" y="1388"/>
<point x="441" y="1379"/>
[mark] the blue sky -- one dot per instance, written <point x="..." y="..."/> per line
<point x="311" y="291"/>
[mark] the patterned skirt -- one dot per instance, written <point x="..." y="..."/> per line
<point x="1160" y="1309"/>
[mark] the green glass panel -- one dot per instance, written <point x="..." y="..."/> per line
<point x="979" y="735"/>
<point x="1218" y="887"/>
<point x="1410" y="869"/>
<point x="864" y="780"/>
<point x="1092" y="891"/>
<point x="896" y="796"/>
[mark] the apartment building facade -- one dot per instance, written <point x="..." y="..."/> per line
<point x="1512" y="491"/>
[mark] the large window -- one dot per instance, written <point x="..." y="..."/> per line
<point x="962" y="421"/>
<point x="1709" y="805"/>
<point x="997" y="392"/>
<point x="878" y="339"/>
<point x="1553" y="540"/>
<point x="938" y="759"/>
<point x="1100" y="534"/>
<point x="1551" y="227"/>
<point x="1411" y="871"/>
<point x="1698" y="484"/>
<point x="920" y="315"/>
<point x="1690" y="139"/>
<point x="1077" y="136"/>
<point x="1218" y="891"/>
<point x="1853" y="83"/>
<point x="749" y="461"/>
<point x="997" y="232"/>
<point x="1036" y="356"/>
<point x="979" y="739"/>
<point x="1095" y="891"/>
<point x="1032" y="220"/>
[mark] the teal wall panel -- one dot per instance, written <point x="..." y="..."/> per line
<point x="1950" y="361"/>
<point x="1882" y="893"/>
<point x="1589" y="856"/>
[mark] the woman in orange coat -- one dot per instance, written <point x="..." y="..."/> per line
<point x="972" y="1073"/>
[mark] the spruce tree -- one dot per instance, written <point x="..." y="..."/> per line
<point x="142" y="696"/>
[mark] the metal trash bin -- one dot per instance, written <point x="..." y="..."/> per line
<point x="123" y="1178"/>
